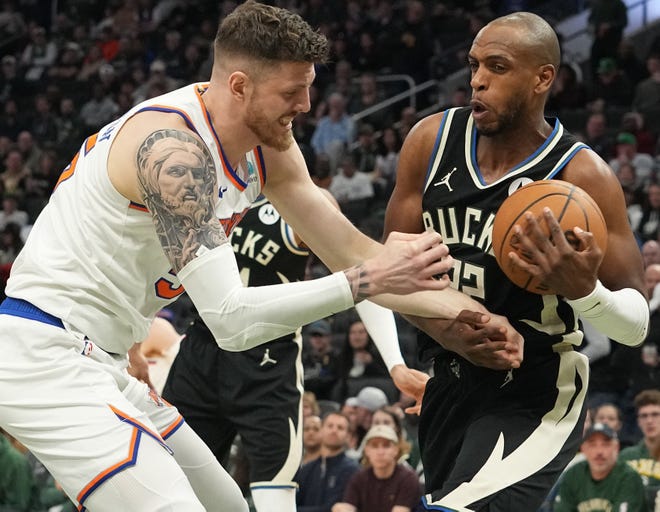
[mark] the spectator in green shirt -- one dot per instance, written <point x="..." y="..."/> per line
<point x="601" y="483"/>
<point x="644" y="457"/>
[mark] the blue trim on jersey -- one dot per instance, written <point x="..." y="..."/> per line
<point x="541" y="147"/>
<point x="281" y="486"/>
<point x="181" y="113"/>
<point x="436" y="145"/>
<point x="129" y="463"/>
<point x="428" y="506"/>
<point x="222" y="153"/>
<point x="473" y="154"/>
<point x="142" y="429"/>
<point x="174" y="429"/>
<point x="263" y="164"/>
<point x="567" y="159"/>
<point x="473" y="151"/>
<point x="25" y="309"/>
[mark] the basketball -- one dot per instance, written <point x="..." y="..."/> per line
<point x="571" y="206"/>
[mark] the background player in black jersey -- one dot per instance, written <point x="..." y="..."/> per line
<point x="496" y="439"/>
<point x="257" y="393"/>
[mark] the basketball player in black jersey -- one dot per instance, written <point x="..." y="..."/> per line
<point x="496" y="439"/>
<point x="257" y="393"/>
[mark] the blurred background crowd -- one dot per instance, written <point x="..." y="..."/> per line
<point x="68" y="67"/>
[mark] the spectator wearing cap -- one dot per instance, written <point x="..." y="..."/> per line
<point x="635" y="123"/>
<point x="610" y="88"/>
<point x="320" y="361"/>
<point x="626" y="152"/>
<point x="394" y="417"/>
<point x="601" y="482"/>
<point x="322" y="481"/>
<point x="39" y="54"/>
<point x="383" y="485"/>
<point x="644" y="457"/>
<point x="367" y="401"/>
<point x="607" y="19"/>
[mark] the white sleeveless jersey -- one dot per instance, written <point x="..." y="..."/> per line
<point x="93" y="258"/>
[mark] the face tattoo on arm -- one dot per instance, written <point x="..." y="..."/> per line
<point x="177" y="178"/>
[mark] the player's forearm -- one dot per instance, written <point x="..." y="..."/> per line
<point x="241" y="318"/>
<point x="447" y="303"/>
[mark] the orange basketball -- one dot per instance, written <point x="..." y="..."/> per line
<point x="571" y="206"/>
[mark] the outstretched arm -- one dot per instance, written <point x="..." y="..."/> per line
<point x="175" y="178"/>
<point x="332" y="237"/>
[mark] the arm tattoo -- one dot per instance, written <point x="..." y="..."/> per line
<point x="358" y="279"/>
<point x="177" y="179"/>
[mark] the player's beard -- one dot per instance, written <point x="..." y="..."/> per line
<point x="265" y="129"/>
<point x="506" y="120"/>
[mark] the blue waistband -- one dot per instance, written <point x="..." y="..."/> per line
<point x="22" y="308"/>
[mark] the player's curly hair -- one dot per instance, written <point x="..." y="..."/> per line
<point x="268" y="33"/>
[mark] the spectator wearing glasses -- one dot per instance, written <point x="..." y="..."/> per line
<point x="644" y="457"/>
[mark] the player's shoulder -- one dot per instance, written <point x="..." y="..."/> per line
<point x="149" y="121"/>
<point x="426" y="126"/>
<point x="586" y="168"/>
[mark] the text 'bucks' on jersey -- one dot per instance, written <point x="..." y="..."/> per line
<point x="460" y="205"/>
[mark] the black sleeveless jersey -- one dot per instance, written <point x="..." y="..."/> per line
<point x="266" y="248"/>
<point x="461" y="206"/>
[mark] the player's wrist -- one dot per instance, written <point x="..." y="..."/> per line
<point x="361" y="282"/>
<point x="585" y="298"/>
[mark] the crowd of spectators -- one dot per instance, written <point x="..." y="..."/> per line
<point x="69" y="67"/>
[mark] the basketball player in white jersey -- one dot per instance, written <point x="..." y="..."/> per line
<point x="134" y="220"/>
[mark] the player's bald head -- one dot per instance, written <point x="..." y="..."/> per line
<point x="535" y="36"/>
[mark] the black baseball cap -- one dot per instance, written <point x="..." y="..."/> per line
<point x="600" y="428"/>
